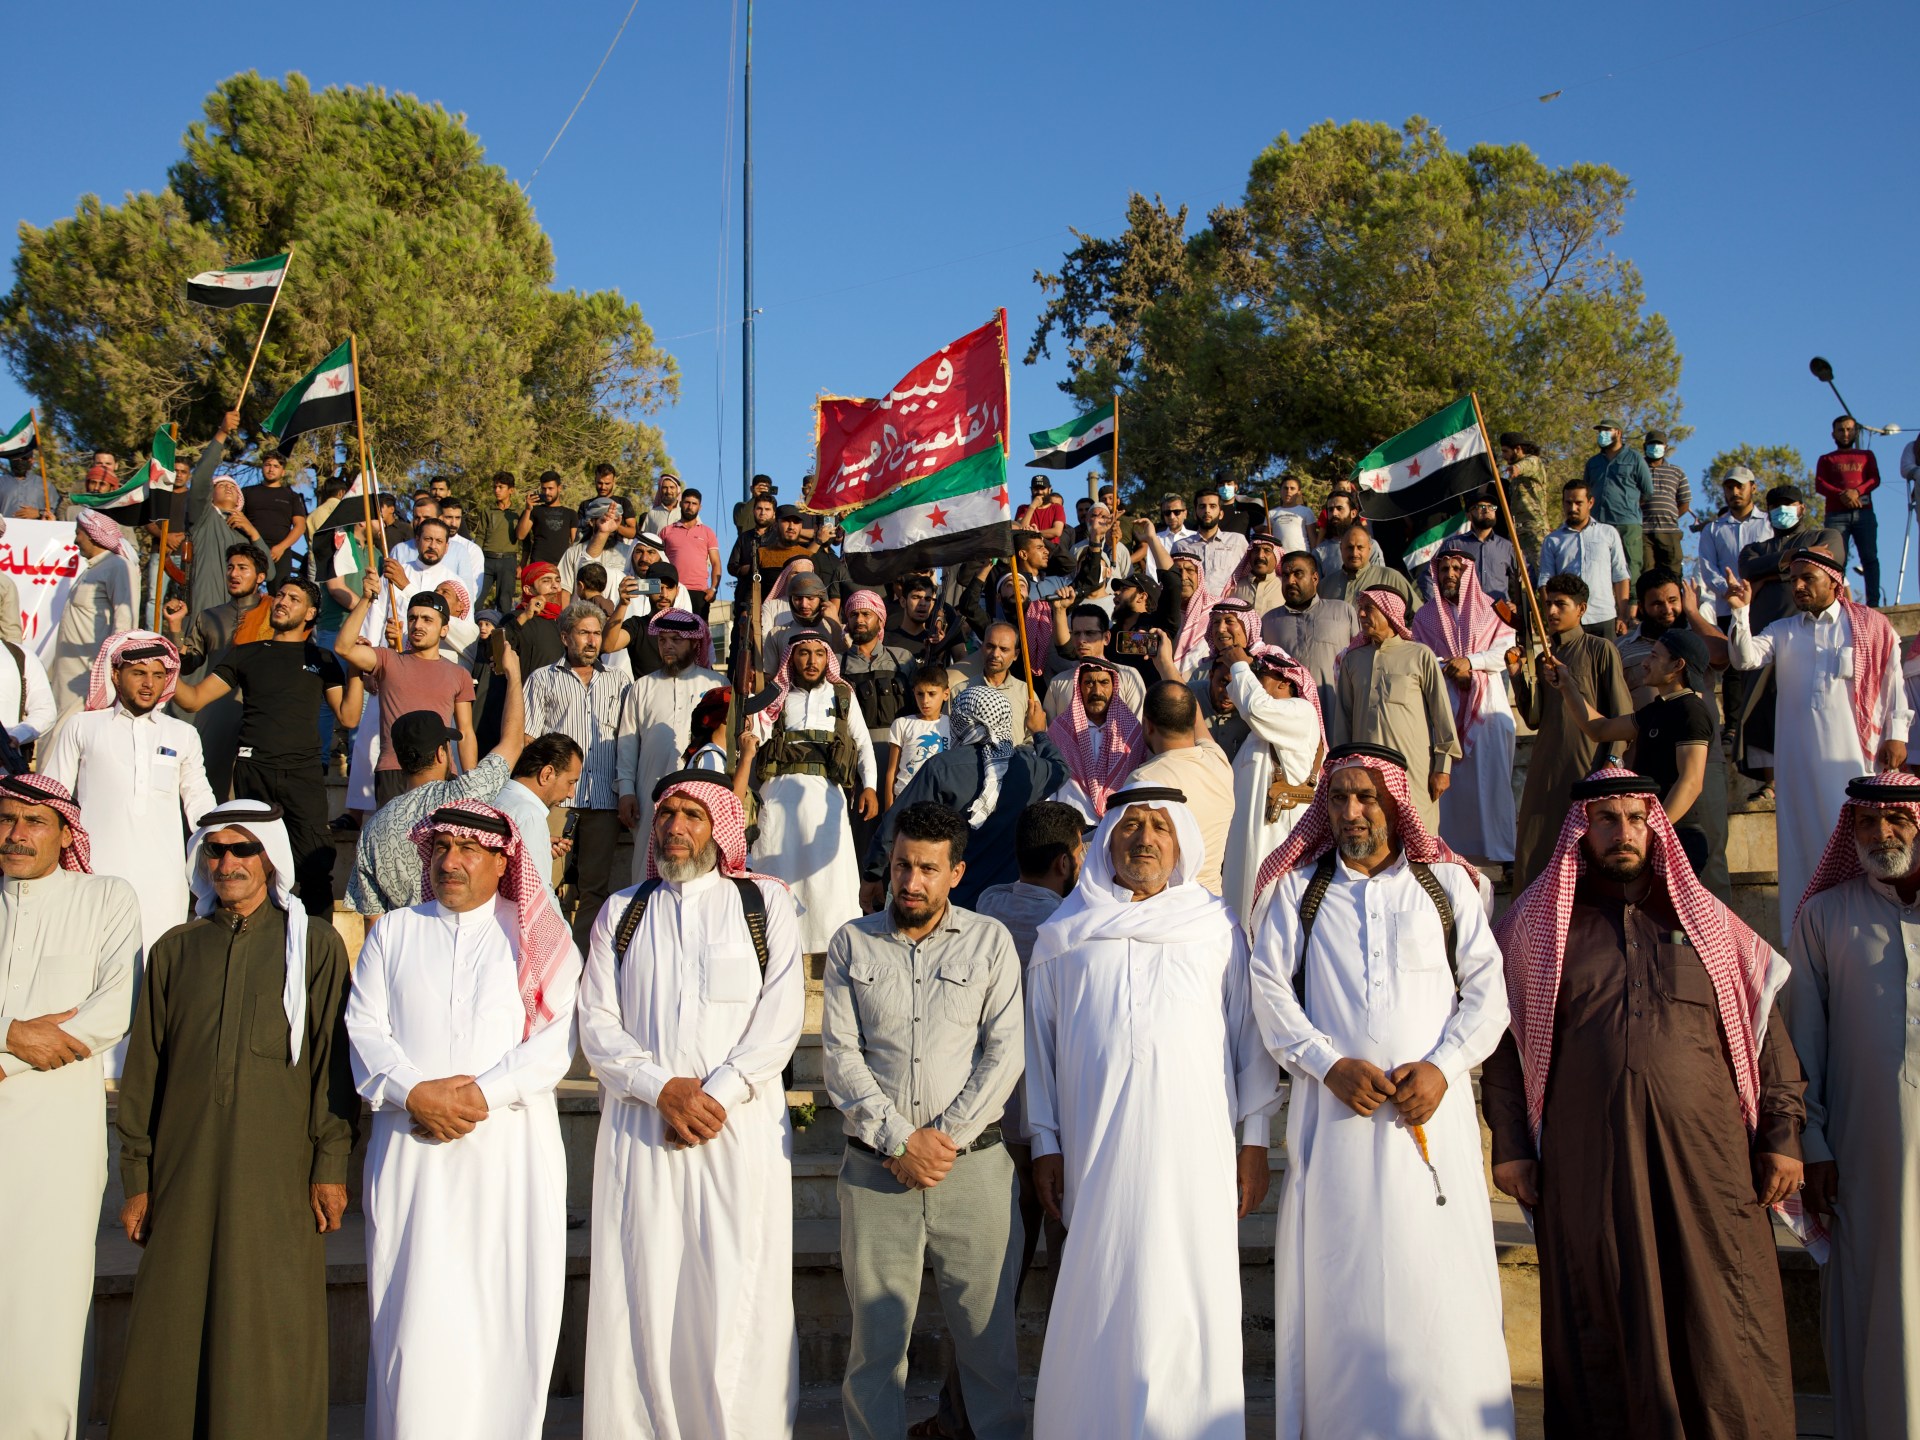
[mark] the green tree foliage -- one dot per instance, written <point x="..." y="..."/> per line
<point x="1370" y="276"/>
<point x="471" y="361"/>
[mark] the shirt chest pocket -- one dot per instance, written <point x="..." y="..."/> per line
<point x="270" y="1036"/>
<point x="1397" y="689"/>
<point x="732" y="974"/>
<point x="959" y="987"/>
<point x="1416" y="940"/>
<point x="877" y="998"/>
<point x="1681" y="976"/>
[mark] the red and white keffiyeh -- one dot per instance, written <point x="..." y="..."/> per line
<point x="546" y="944"/>
<point x="688" y="626"/>
<point x="1840" y="862"/>
<point x="1100" y="766"/>
<point x="1273" y="658"/>
<point x="100" y="692"/>
<point x="1035" y="615"/>
<point x="35" y="789"/>
<point x="1875" y="643"/>
<point x="1389" y="604"/>
<point x="460" y="602"/>
<point x="1190" y="645"/>
<point x="783" y="677"/>
<point x="1313" y="835"/>
<point x="869" y="600"/>
<point x="104" y="533"/>
<point x="1744" y="969"/>
<point x="1243" y="572"/>
<point x="729" y="819"/>
<point x="1458" y="630"/>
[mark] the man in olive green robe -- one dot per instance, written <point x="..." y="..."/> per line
<point x="237" y="1113"/>
<point x="1389" y="691"/>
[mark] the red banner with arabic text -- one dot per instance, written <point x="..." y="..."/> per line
<point x="949" y="407"/>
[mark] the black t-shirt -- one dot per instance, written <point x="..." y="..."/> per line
<point x="1665" y="725"/>
<point x="535" y="639"/>
<point x="282" y="685"/>
<point x="832" y="571"/>
<point x="552" y="532"/>
<point x="271" y="509"/>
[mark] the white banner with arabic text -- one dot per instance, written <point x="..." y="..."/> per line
<point x="41" y="560"/>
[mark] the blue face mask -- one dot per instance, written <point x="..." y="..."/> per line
<point x="1604" y="439"/>
<point x="1656" y="452"/>
<point x="1784" y="517"/>
<point x="1227" y="492"/>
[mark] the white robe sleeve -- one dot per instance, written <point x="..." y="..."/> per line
<point x="1896" y="714"/>
<point x="1806" y="1013"/>
<point x="754" y="1064"/>
<point x="536" y="1065"/>
<point x="1042" y="1092"/>
<point x="626" y="1068"/>
<point x="626" y="757"/>
<point x="106" y="1015"/>
<point x="41" y="712"/>
<point x="1289" y="1035"/>
<point x="1256" y="1077"/>
<point x="1494" y="658"/>
<point x="1747" y="650"/>
<point x="1290" y="726"/>
<point x="1480" y="1014"/>
<point x="196" y="793"/>
<point x="61" y="759"/>
<point x="381" y="1071"/>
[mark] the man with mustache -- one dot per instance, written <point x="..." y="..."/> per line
<point x="237" y="1114"/>
<point x="1646" y="1106"/>
<point x="66" y="998"/>
<point x="1851" y="1010"/>
<point x="921" y="1045"/>
<point x="1141" y="1038"/>
<point x="1377" y="983"/>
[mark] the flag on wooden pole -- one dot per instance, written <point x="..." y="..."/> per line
<point x="1419" y="470"/>
<point x="1073" y="444"/>
<point x="960" y="513"/>
<point x="323" y="397"/>
<point x="21" y="439"/>
<point x="154" y="477"/>
<point x="253" y="282"/>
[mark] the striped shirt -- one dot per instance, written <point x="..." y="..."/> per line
<point x="1670" y="497"/>
<point x="589" y="715"/>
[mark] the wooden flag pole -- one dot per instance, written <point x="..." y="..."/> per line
<point x="360" y="434"/>
<point x="160" y="573"/>
<point x="261" y="339"/>
<point x="1513" y="532"/>
<point x="46" y="486"/>
<point x="1114" y="534"/>
<point x="1020" y="624"/>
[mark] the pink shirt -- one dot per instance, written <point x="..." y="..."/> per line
<point x="688" y="550"/>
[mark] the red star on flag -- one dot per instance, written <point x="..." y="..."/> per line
<point x="335" y="381"/>
<point x="874" y="533"/>
<point x="1413" y="469"/>
<point x="1451" y="451"/>
<point x="936" y="517"/>
<point x="1001" y="498"/>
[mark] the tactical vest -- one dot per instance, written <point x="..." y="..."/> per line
<point x="831" y="753"/>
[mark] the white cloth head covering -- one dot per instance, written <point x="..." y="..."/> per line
<point x="1185" y="913"/>
<point x="262" y="821"/>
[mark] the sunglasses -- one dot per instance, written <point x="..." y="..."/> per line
<point x="240" y="849"/>
<point x="1172" y="512"/>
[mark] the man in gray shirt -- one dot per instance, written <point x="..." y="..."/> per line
<point x="924" y="1041"/>
<point x="1311" y="627"/>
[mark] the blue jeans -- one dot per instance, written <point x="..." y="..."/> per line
<point x="1860" y="529"/>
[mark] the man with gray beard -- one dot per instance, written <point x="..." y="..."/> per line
<point x="1853" y="953"/>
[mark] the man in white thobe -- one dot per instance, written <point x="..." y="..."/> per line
<point x="1852" y="1002"/>
<point x="1147" y="1097"/>
<point x="135" y="771"/>
<point x="1471" y="641"/>
<point x="1273" y="770"/>
<point x="1841" y="709"/>
<point x="690" y="1332"/>
<point x="656" y="719"/>
<point x="69" y="945"/>
<point x="104" y="600"/>
<point x="461" y="1021"/>
<point x="810" y="747"/>
<point x="1379" y="1003"/>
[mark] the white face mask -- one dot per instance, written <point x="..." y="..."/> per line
<point x="1656" y="452"/>
<point x="1227" y="492"/>
<point x="1604" y="438"/>
<point x="1784" y="517"/>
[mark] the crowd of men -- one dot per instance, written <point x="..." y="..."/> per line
<point x="1114" y="859"/>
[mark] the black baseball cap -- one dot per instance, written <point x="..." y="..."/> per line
<point x="431" y="600"/>
<point x="417" y="735"/>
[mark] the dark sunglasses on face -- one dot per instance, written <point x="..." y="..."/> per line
<point x="240" y="849"/>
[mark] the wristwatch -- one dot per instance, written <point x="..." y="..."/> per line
<point x="899" y="1150"/>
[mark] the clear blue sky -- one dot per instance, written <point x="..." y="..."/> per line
<point x="915" y="165"/>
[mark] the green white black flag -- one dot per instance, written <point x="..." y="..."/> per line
<point x="154" y="477"/>
<point x="1074" y="443"/>
<point x="21" y="439"/>
<point x="1420" y="470"/>
<point x="253" y="282"/>
<point x="323" y="397"/>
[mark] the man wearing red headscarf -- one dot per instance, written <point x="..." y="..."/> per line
<point x="1646" y="1106"/>
<point x="691" y="1004"/>
<point x="461" y="1021"/>
<point x="1377" y="984"/>
<point x="1851" y="1010"/>
<point x="1471" y="641"/>
<point x="66" y="998"/>
<point x="656" y="719"/>
<point x="1389" y="692"/>
<point x="104" y="600"/>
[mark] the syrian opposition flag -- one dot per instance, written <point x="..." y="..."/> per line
<point x="960" y="513"/>
<point x="1421" y="470"/>
<point x="153" y="478"/>
<point x="20" y="440"/>
<point x="255" y="282"/>
<point x="1075" y="443"/>
<point x="1422" y="547"/>
<point x="323" y="397"/>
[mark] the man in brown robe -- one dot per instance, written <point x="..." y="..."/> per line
<point x="1561" y="754"/>
<point x="237" y="1113"/>
<point x="1647" y="1106"/>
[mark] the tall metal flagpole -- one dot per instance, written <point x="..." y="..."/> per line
<point x="749" y="624"/>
